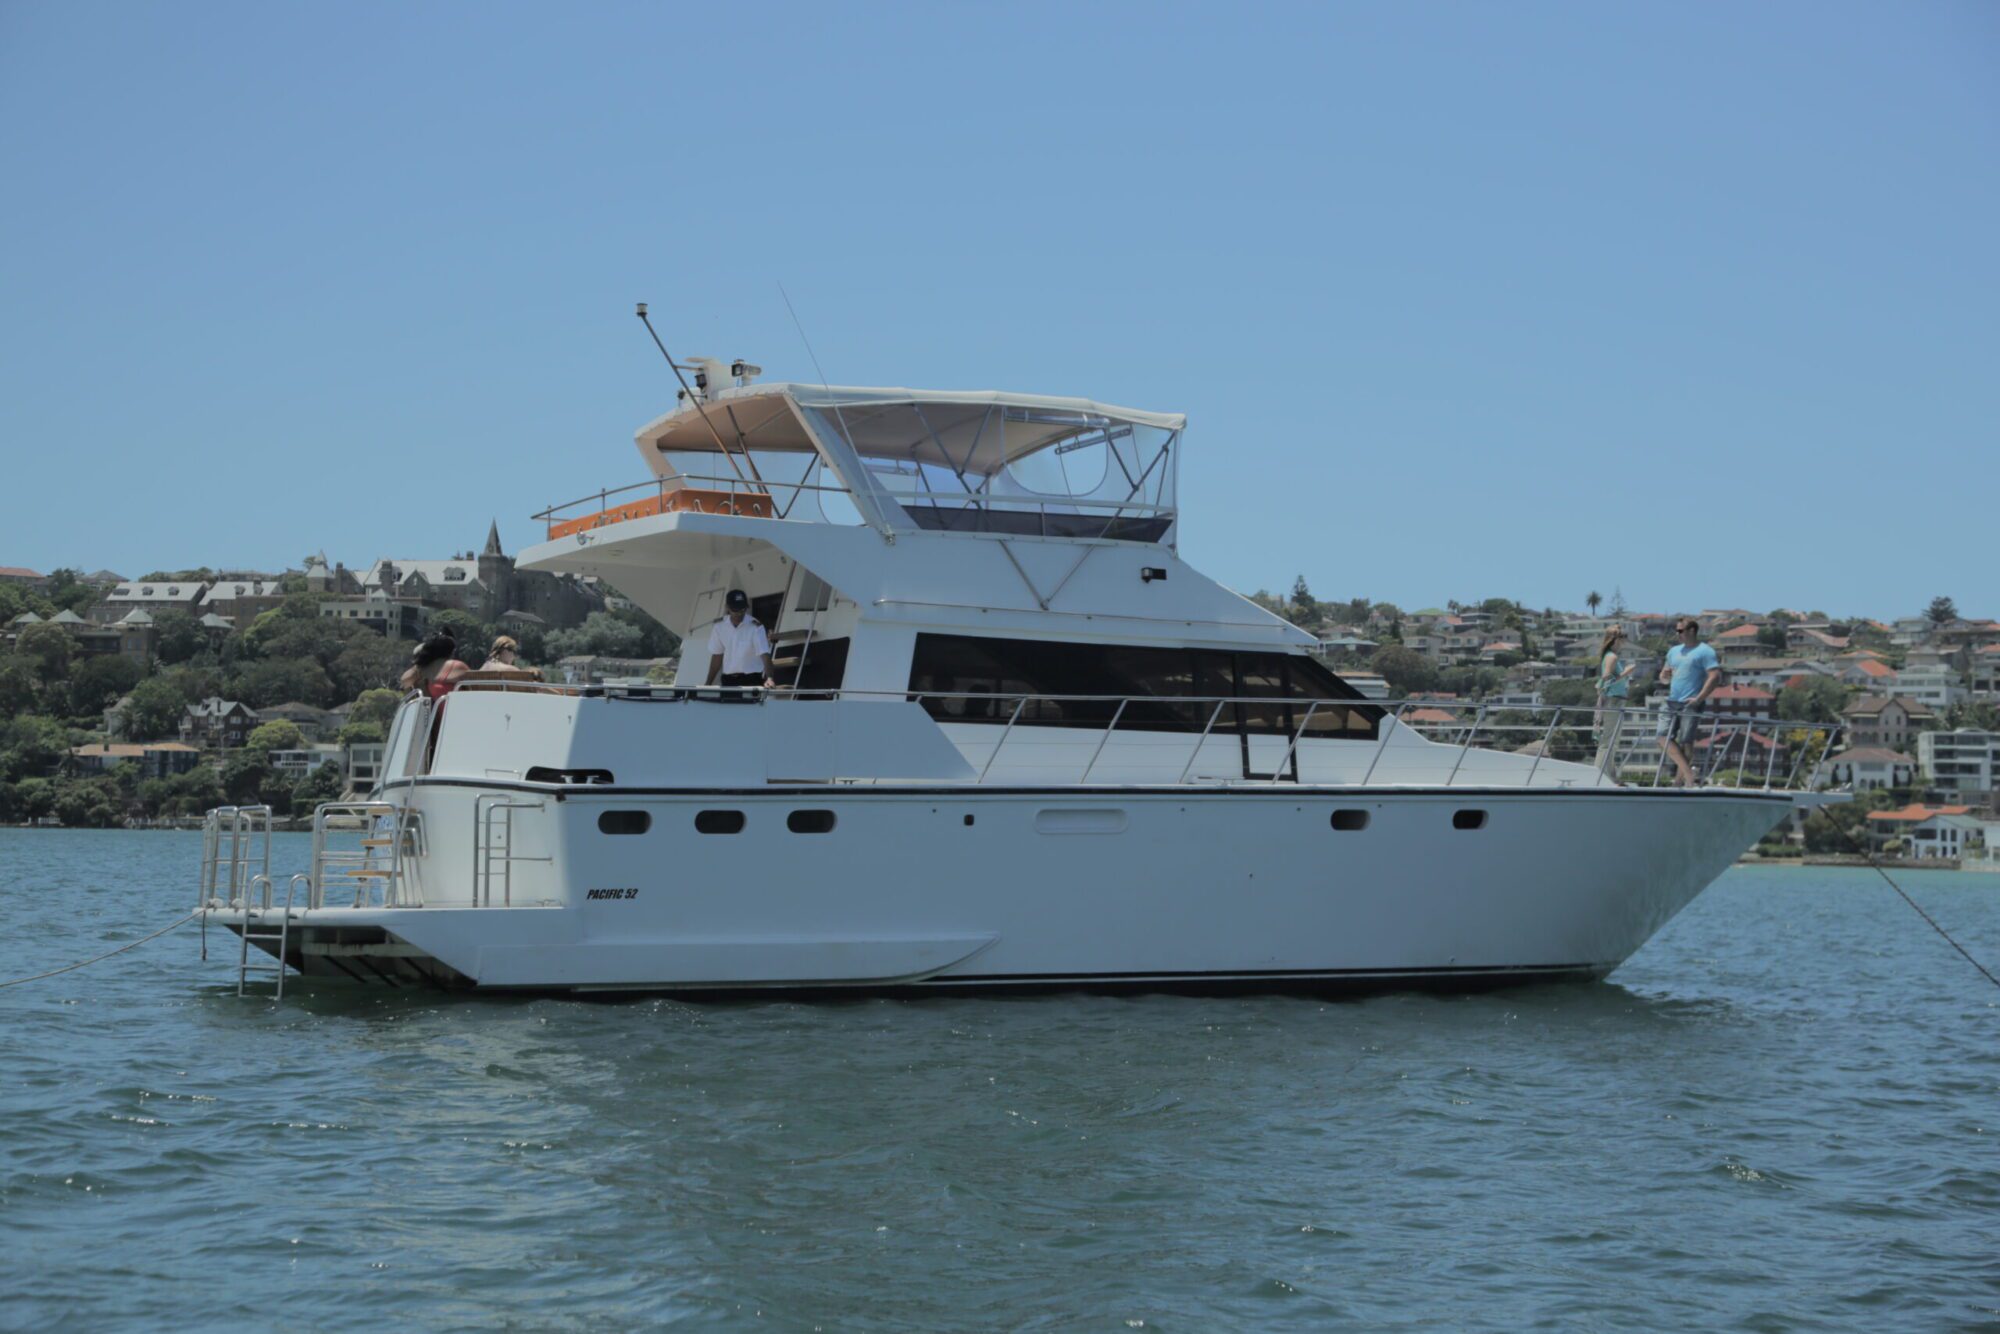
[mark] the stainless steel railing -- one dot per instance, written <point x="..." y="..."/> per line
<point x="784" y="498"/>
<point x="1624" y="744"/>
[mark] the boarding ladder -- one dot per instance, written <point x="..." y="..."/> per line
<point x="368" y="871"/>
<point x="236" y="874"/>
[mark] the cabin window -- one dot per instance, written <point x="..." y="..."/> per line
<point x="1350" y="822"/>
<point x="1468" y="819"/>
<point x="947" y="665"/>
<point x="810" y="822"/>
<point x="718" y="822"/>
<point x="624" y="822"/>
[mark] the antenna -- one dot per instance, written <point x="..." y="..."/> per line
<point x="692" y="397"/>
<point x="838" y="415"/>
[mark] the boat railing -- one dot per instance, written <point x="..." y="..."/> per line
<point x="235" y="855"/>
<point x="769" y="498"/>
<point x="1624" y="744"/>
<point x="358" y="854"/>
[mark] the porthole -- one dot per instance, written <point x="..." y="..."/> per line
<point x="968" y="821"/>
<point x="1348" y="822"/>
<point x="810" y="822"/>
<point x="1468" y="819"/>
<point x="623" y="822"/>
<point x="718" y="822"/>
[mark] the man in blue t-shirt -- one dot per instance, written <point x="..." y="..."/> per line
<point x="1691" y="674"/>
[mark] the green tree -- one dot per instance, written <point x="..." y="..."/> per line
<point x="88" y="803"/>
<point x="32" y="746"/>
<point x="376" y="706"/>
<point x="322" y="784"/>
<point x="17" y="685"/>
<point x="1942" y="611"/>
<point x="368" y="662"/>
<point x="244" y="776"/>
<point x="48" y="648"/>
<point x="155" y="708"/>
<point x="180" y="637"/>
<point x="277" y="734"/>
<point x="1592" y="600"/>
<point x="281" y="681"/>
<point x="1407" y="671"/>
<point x="362" y="733"/>
<point x="1817" y="699"/>
<point x="98" y="681"/>
<point x="34" y="798"/>
<point x="600" y="634"/>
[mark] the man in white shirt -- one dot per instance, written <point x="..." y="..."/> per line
<point x="739" y="652"/>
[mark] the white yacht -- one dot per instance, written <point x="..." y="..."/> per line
<point x="1016" y="742"/>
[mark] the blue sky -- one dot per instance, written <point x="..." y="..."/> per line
<point x="1700" y="302"/>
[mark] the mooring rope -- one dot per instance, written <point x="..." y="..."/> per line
<point x="1901" y="893"/>
<point x="85" y="963"/>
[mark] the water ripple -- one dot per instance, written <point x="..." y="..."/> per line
<point x="1778" y="1116"/>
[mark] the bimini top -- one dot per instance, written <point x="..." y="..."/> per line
<point x="969" y="431"/>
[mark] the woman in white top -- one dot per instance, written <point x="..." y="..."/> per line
<point x="1613" y="684"/>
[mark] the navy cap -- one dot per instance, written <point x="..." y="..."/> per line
<point x="737" y="600"/>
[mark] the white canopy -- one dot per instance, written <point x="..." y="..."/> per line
<point x="958" y="429"/>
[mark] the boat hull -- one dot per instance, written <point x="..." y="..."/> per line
<point x="948" y="889"/>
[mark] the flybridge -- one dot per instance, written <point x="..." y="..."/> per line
<point x="892" y="458"/>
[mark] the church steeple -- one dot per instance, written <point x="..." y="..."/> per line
<point x="493" y="540"/>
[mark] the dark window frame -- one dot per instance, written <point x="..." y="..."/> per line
<point x="942" y="665"/>
<point x="719" y="822"/>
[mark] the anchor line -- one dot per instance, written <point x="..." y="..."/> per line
<point x="85" y="963"/>
<point x="1901" y="893"/>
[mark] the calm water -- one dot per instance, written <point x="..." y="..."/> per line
<point x="1784" y="1113"/>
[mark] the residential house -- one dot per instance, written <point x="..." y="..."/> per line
<point x="1753" y="751"/>
<point x="1909" y="631"/>
<point x="1772" y="673"/>
<point x="138" y="636"/>
<point x="243" y="600"/>
<point x="1736" y="700"/>
<point x="1344" y="642"/>
<point x="1371" y="684"/>
<point x="217" y="723"/>
<point x="1491" y="653"/>
<point x="23" y="578"/>
<point x="92" y="640"/>
<point x="297" y="763"/>
<point x="1963" y="634"/>
<point x="1740" y="644"/>
<point x="1867" y="768"/>
<point x="1886" y="721"/>
<point x="1926" y="832"/>
<point x="156" y="759"/>
<point x="389" y="617"/>
<point x="1868" y="674"/>
<point x="1931" y="676"/>
<point x="362" y="763"/>
<point x="336" y="579"/>
<point x="1985" y="674"/>
<point x="1963" y="763"/>
<point x="166" y="595"/>
<point x="1813" y="642"/>
<point x="588" y="669"/>
<point x="485" y="585"/>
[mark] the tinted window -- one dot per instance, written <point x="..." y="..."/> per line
<point x="946" y="665"/>
<point x="624" y="822"/>
<point x="718" y="822"/>
<point x="1468" y="819"/>
<point x="1350" y="821"/>
<point x="810" y="822"/>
